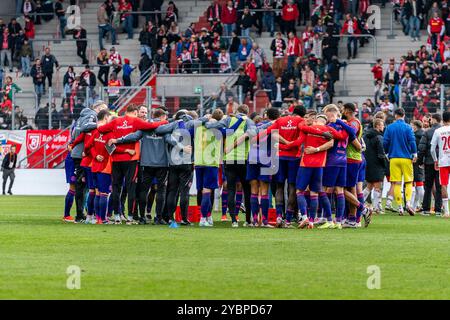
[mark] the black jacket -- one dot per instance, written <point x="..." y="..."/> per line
<point x="424" y="156"/>
<point x="396" y="78"/>
<point x="37" y="75"/>
<point x="145" y="63"/>
<point x="41" y="118"/>
<point x="48" y="62"/>
<point x="408" y="8"/>
<point x="246" y="21"/>
<point x="418" y="172"/>
<point x="10" y="41"/>
<point x="8" y="159"/>
<point x="81" y="39"/>
<point x="375" y="156"/>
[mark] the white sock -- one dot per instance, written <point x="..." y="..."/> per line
<point x="117" y="217"/>
<point x="389" y="200"/>
<point x="366" y="193"/>
<point x="376" y="199"/>
<point x="445" y="205"/>
<point x="420" y="192"/>
<point x="413" y="197"/>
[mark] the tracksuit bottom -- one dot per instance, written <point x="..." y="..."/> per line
<point x="129" y="171"/>
<point x="147" y="176"/>
<point x="233" y="172"/>
<point x="180" y="180"/>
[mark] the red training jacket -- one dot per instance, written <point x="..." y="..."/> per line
<point x="122" y="126"/>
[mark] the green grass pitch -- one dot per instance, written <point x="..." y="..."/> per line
<point x="155" y="262"/>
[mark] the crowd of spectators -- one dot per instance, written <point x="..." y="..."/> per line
<point x="416" y="81"/>
<point x="304" y="49"/>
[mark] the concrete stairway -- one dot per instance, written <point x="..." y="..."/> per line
<point x="360" y="85"/>
<point x="65" y="51"/>
<point x="359" y="78"/>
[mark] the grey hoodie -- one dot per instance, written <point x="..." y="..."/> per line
<point x="154" y="144"/>
<point x="85" y="123"/>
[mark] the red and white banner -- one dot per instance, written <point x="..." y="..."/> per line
<point x="54" y="152"/>
<point x="27" y="143"/>
<point x="9" y="138"/>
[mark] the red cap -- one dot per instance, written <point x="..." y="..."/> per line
<point x="127" y="61"/>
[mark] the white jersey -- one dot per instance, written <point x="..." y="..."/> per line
<point x="441" y="139"/>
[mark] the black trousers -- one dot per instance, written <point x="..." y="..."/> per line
<point x="147" y="176"/>
<point x="289" y="26"/>
<point x="49" y="77"/>
<point x="180" y="179"/>
<point x="232" y="172"/>
<point x="124" y="170"/>
<point x="81" y="52"/>
<point x="103" y="76"/>
<point x="432" y="178"/>
<point x="8" y="173"/>
<point x="80" y="186"/>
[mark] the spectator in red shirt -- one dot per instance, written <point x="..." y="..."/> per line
<point x="214" y="12"/>
<point x="229" y="18"/>
<point x="351" y="28"/>
<point x="377" y="71"/>
<point x="294" y="49"/>
<point x="419" y="111"/>
<point x="126" y="18"/>
<point x="436" y="29"/>
<point x="250" y="70"/>
<point x="289" y="14"/>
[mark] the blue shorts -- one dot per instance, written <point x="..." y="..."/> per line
<point x="89" y="178"/>
<point x="362" y="172"/>
<point x="69" y="167"/>
<point x="352" y="174"/>
<point x="154" y="181"/>
<point x="334" y="177"/>
<point x="102" y="182"/>
<point x="254" y="173"/>
<point x="207" y="177"/>
<point x="287" y="169"/>
<point x="311" y="177"/>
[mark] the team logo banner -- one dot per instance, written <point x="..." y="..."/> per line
<point x="54" y="150"/>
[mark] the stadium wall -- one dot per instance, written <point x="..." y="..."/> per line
<point x="40" y="182"/>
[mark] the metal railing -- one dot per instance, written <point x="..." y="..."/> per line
<point x="255" y="94"/>
<point x="227" y="83"/>
<point x="13" y="100"/>
<point x="132" y="91"/>
<point x="57" y="41"/>
<point x="45" y="160"/>
<point x="391" y="34"/>
<point x="125" y="97"/>
<point x="374" y="44"/>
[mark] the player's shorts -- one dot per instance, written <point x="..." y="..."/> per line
<point x="362" y="172"/>
<point x="154" y="181"/>
<point x="334" y="176"/>
<point x="311" y="177"/>
<point x="254" y="173"/>
<point x="102" y="182"/>
<point x="70" y="170"/>
<point x="207" y="177"/>
<point x="287" y="169"/>
<point x="224" y="177"/>
<point x="401" y="167"/>
<point x="353" y="173"/>
<point x="443" y="175"/>
<point x="89" y="178"/>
